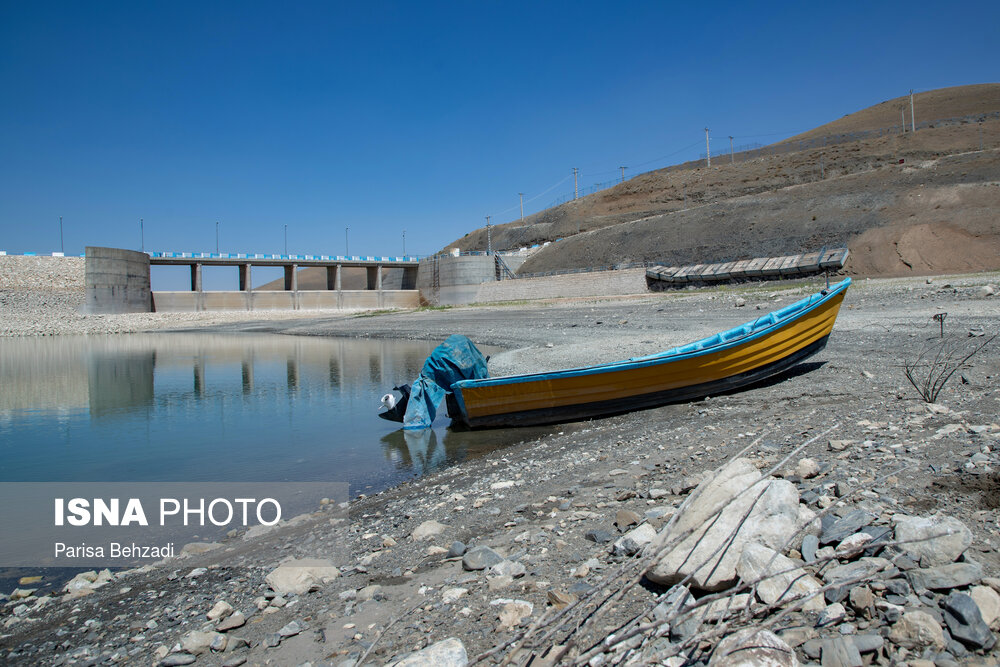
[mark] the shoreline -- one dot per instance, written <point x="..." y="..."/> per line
<point x="535" y="503"/>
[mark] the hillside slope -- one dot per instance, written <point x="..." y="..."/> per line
<point x="784" y="199"/>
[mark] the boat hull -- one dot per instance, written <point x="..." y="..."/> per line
<point x="755" y="353"/>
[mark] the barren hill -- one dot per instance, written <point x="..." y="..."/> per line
<point x="904" y="202"/>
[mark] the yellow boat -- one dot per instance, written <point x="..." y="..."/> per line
<point x="729" y="360"/>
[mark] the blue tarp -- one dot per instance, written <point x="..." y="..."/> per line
<point x="457" y="358"/>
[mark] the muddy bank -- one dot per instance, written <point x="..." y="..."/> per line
<point x="553" y="509"/>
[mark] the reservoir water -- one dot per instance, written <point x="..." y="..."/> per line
<point x="218" y="407"/>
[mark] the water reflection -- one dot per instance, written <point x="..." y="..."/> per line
<point x="206" y="407"/>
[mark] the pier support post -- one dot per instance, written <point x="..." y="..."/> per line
<point x="245" y="277"/>
<point x="196" y="277"/>
<point x="292" y="278"/>
<point x="333" y="277"/>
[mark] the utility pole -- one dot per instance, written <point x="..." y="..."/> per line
<point x="623" y="173"/>
<point x="286" y="240"/>
<point x="732" y="159"/>
<point x="216" y="237"/>
<point x="521" y="195"/>
<point x="489" y="237"/>
<point x="708" y="151"/>
<point x="913" y="120"/>
<point x="347" y="243"/>
<point x="902" y="117"/>
<point x="142" y="237"/>
<point x="62" y="247"/>
<point x="404" y="243"/>
<point x="576" y="190"/>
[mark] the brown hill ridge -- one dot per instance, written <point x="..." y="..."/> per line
<point x="905" y="203"/>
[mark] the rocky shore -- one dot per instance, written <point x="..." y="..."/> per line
<point x="827" y="517"/>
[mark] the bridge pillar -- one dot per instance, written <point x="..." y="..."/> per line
<point x="409" y="280"/>
<point x="333" y="277"/>
<point x="196" y="277"/>
<point x="373" y="276"/>
<point x="292" y="278"/>
<point x="244" y="277"/>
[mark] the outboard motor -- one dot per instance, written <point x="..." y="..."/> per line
<point x="396" y="409"/>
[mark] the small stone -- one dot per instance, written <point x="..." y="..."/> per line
<point x="220" y="610"/>
<point x="176" y="659"/>
<point x="231" y="622"/>
<point x="868" y="643"/>
<point x="862" y="601"/>
<point x="480" y="558"/>
<point x="452" y="595"/>
<point x="841" y="528"/>
<point x="272" y="639"/>
<point x="446" y="653"/>
<point x="291" y="629"/>
<point x="840" y="652"/>
<point x="299" y="576"/>
<point x="839" y="445"/>
<point x="831" y="615"/>
<point x="560" y="600"/>
<point x="372" y="592"/>
<point x="600" y="536"/>
<point x="634" y="541"/>
<point x="626" y="518"/>
<point x="508" y="568"/>
<point x="853" y="545"/>
<point x="456" y="550"/>
<point x="753" y="647"/>
<point x="810" y="543"/>
<point x="513" y="612"/>
<point x="427" y="530"/>
<point x="807" y="468"/>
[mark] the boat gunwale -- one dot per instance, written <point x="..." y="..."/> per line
<point x="791" y="312"/>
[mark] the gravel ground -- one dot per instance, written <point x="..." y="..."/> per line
<point x="546" y="506"/>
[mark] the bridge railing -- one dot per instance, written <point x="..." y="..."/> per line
<point x="289" y="257"/>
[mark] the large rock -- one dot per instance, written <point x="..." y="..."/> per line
<point x="197" y="643"/>
<point x="753" y="648"/>
<point x="917" y="629"/>
<point x="777" y="578"/>
<point x="427" y="530"/>
<point x="446" y="653"/>
<point x="934" y="540"/>
<point x="965" y="622"/>
<point x="944" y="577"/>
<point x="302" y="575"/>
<point x="988" y="601"/>
<point x="733" y="493"/>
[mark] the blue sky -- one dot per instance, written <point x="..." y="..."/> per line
<point x="418" y="116"/>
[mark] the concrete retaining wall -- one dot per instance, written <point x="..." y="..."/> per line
<point x="183" y="302"/>
<point x="116" y="281"/>
<point x="598" y="283"/>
